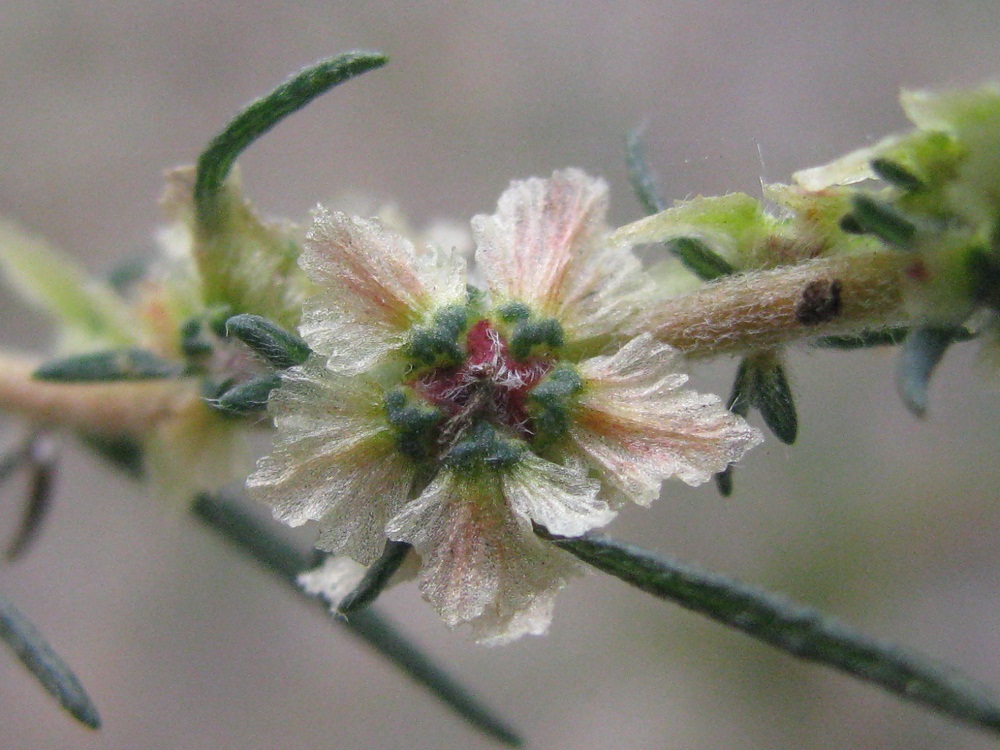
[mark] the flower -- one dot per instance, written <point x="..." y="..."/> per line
<point x="456" y="419"/>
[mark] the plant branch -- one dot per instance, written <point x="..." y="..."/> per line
<point x="800" y="631"/>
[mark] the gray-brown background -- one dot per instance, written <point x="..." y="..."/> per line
<point x="889" y="523"/>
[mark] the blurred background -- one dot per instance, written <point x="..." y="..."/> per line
<point x="887" y="522"/>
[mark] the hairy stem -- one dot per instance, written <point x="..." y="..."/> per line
<point x="118" y="408"/>
<point x="762" y="309"/>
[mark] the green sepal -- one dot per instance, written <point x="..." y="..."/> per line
<point x="376" y="578"/>
<point x="879" y="218"/>
<point x="278" y="347"/>
<point x="247" y="398"/>
<point x="922" y="351"/>
<point x="45" y="664"/>
<point x="108" y="366"/>
<point x="797" y="630"/>
<point x="895" y="174"/>
<point x="263" y="114"/>
<point x="639" y="177"/>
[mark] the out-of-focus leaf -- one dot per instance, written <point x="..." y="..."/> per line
<point x="45" y="664"/>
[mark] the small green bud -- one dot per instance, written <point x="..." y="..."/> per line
<point x="437" y="344"/>
<point x="528" y="334"/>
<point x="482" y="446"/>
<point x="514" y="312"/>
<point x="550" y="401"/>
<point x="247" y="398"/>
<point x="274" y="344"/>
<point x="414" y="422"/>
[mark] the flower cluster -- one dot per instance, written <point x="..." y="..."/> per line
<point x="459" y="420"/>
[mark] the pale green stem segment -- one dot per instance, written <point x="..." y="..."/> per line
<point x="263" y="114"/>
<point x="45" y="664"/>
<point x="257" y="539"/>
<point x="797" y="630"/>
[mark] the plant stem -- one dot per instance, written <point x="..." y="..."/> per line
<point x="761" y="309"/>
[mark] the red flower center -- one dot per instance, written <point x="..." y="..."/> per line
<point x="490" y="384"/>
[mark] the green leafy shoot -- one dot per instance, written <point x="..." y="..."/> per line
<point x="45" y="664"/>
<point x="263" y="114"/>
<point x="800" y="631"/>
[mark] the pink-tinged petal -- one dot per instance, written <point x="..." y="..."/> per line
<point x="333" y="580"/>
<point x="374" y="286"/>
<point x="639" y="427"/>
<point x="482" y="564"/>
<point x="560" y="498"/>
<point x="334" y="462"/>
<point x="545" y="247"/>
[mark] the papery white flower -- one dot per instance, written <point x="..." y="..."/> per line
<point x="458" y="421"/>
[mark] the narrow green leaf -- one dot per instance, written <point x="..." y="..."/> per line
<point x="700" y="259"/>
<point x="984" y="267"/>
<point x="45" y="664"/>
<point x="124" y="453"/>
<point x="922" y="351"/>
<point x="41" y="465"/>
<point x="896" y="174"/>
<point x="263" y="114"/>
<point x="274" y="344"/>
<point x="376" y="578"/>
<point x="87" y="310"/>
<point x="247" y="398"/>
<point x="774" y="399"/>
<point x="761" y="383"/>
<point x="878" y="217"/>
<point x="115" y="364"/>
<point x="800" y="631"/>
<point x="640" y="178"/>
<point x="257" y="539"/>
<point x="724" y="481"/>
<point x="864" y="339"/>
